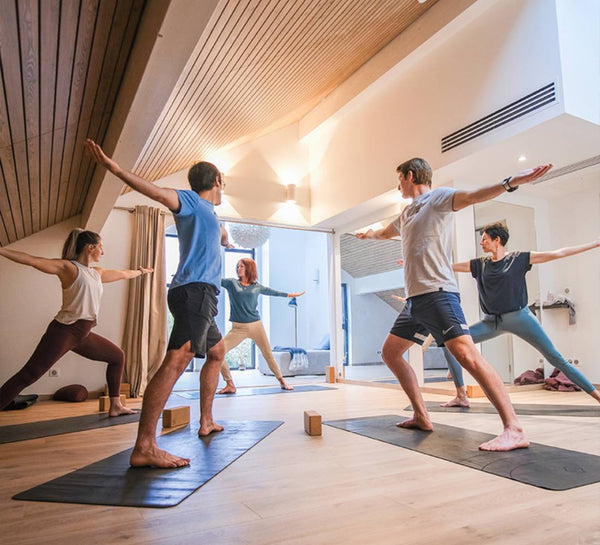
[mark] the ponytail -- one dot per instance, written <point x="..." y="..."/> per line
<point x="77" y="240"/>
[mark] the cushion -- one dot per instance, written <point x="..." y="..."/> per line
<point x="324" y="343"/>
<point x="73" y="392"/>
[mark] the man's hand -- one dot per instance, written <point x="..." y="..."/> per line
<point x="100" y="157"/>
<point x="362" y="236"/>
<point x="529" y="175"/>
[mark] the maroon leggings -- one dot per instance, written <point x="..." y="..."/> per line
<point x="56" y="342"/>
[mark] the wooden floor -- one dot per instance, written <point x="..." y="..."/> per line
<point x="294" y="489"/>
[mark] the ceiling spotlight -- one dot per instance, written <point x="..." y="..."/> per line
<point x="521" y="158"/>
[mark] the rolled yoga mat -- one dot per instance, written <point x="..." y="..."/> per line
<point x="113" y="482"/>
<point x="539" y="465"/>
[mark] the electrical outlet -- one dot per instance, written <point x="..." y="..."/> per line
<point x="576" y="362"/>
<point x="53" y="373"/>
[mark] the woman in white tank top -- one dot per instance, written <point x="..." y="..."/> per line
<point x="71" y="328"/>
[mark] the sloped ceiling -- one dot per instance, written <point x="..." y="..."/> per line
<point x="263" y="61"/>
<point x="62" y="63"/>
<point x="256" y="64"/>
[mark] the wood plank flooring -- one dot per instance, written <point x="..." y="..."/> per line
<point x="339" y="488"/>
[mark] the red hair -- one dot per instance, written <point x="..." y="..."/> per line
<point x="251" y="272"/>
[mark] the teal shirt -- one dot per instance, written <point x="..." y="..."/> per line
<point x="244" y="299"/>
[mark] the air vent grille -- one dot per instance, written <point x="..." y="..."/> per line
<point x="533" y="101"/>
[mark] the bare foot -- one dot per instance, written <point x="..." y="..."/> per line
<point x="416" y="422"/>
<point x="120" y="411"/>
<point x="229" y="389"/>
<point x="207" y="429"/>
<point x="456" y="402"/>
<point x="285" y="385"/>
<point x="510" y="439"/>
<point x="155" y="457"/>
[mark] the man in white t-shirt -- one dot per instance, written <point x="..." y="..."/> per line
<point x="433" y="302"/>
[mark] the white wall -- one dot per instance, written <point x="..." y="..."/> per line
<point x="570" y="225"/>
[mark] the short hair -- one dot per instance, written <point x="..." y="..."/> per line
<point x="497" y="230"/>
<point x="203" y="176"/>
<point x="251" y="271"/>
<point x="77" y="240"/>
<point x="419" y="167"/>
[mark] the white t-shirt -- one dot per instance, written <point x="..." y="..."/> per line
<point x="427" y="234"/>
<point x="81" y="300"/>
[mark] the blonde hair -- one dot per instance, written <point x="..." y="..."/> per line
<point x="77" y="240"/>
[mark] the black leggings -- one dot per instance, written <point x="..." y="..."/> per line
<point x="56" y="342"/>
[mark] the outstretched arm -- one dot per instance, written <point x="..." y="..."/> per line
<point x="108" y="275"/>
<point x="380" y="234"/>
<point x="463" y="198"/>
<point x="296" y="294"/>
<point x="465" y="267"/>
<point x="43" y="264"/>
<point x="162" y="195"/>
<point x="543" y="257"/>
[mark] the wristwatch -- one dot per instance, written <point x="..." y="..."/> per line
<point x="506" y="185"/>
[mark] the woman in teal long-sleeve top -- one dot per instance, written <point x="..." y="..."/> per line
<point x="245" y="319"/>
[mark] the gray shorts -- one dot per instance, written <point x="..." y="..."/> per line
<point x="194" y="307"/>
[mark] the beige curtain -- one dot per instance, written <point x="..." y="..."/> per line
<point x="145" y="335"/>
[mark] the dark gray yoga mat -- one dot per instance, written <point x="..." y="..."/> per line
<point x="258" y="391"/>
<point x="113" y="482"/>
<point x="543" y="466"/>
<point x="46" y="428"/>
<point x="521" y="409"/>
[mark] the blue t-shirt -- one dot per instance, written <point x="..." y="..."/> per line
<point x="501" y="284"/>
<point x="199" y="235"/>
<point x="243" y="300"/>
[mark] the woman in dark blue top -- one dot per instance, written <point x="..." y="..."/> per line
<point x="503" y="301"/>
<point x="245" y="319"/>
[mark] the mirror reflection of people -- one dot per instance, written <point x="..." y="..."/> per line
<point x="503" y="300"/>
<point x="433" y="306"/>
<point x="245" y="319"/>
<point x="71" y="329"/>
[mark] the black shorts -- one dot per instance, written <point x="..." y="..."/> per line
<point x="438" y="313"/>
<point x="194" y="307"/>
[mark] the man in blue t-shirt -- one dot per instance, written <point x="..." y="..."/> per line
<point x="433" y="303"/>
<point x="192" y="300"/>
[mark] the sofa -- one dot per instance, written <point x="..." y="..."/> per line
<point x="317" y="361"/>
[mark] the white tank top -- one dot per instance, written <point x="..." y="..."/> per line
<point x="81" y="300"/>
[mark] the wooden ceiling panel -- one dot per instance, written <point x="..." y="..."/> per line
<point x="61" y="65"/>
<point x="258" y="61"/>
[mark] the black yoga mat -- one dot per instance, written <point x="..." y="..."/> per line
<point x="46" y="428"/>
<point x="113" y="482"/>
<point x="258" y="391"/>
<point x="521" y="409"/>
<point x="539" y="465"/>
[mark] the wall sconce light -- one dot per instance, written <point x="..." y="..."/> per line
<point x="290" y="193"/>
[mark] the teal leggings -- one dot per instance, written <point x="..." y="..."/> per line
<point x="525" y="325"/>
